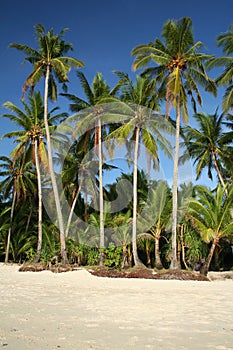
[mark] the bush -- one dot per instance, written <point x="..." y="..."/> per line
<point x="113" y="256"/>
<point x="93" y="257"/>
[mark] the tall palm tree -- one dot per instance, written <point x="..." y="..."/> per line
<point x="96" y="94"/>
<point x="18" y="183"/>
<point x="30" y="139"/>
<point x="207" y="144"/>
<point x="211" y="214"/>
<point x="180" y="67"/>
<point x="50" y="62"/>
<point x="228" y="159"/>
<point x="225" y="40"/>
<point x="139" y="103"/>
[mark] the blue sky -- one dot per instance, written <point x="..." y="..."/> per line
<point x="103" y="33"/>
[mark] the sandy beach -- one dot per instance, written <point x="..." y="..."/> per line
<point x="76" y="310"/>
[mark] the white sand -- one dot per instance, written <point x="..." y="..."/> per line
<point x="78" y="311"/>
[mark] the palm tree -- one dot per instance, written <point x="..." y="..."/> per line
<point x="30" y="139"/>
<point x="122" y="236"/>
<point x="96" y="94"/>
<point x="211" y="214"/>
<point x="228" y="158"/>
<point x="146" y="245"/>
<point x="159" y="209"/>
<point x="179" y="68"/>
<point x="139" y="102"/>
<point x="75" y="178"/>
<point x="72" y="179"/>
<point x="207" y="144"/>
<point x="49" y="62"/>
<point x="225" y="40"/>
<point x="24" y="234"/>
<point x="186" y="192"/>
<point x="18" y="183"/>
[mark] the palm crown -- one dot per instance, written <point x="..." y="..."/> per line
<point x="179" y="64"/>
<point x="51" y="53"/>
<point x="207" y="144"/>
<point x="225" y="40"/>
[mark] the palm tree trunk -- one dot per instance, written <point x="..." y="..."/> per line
<point x="39" y="242"/>
<point x="10" y="228"/>
<point x="125" y="263"/>
<point x="72" y="208"/>
<point x="182" y="246"/>
<point x="137" y="261"/>
<point x="130" y="256"/>
<point x="179" y="251"/>
<point x="29" y="220"/>
<point x="217" y="252"/>
<point x="174" y="263"/>
<point x="205" y="268"/>
<point x="85" y="215"/>
<point x="52" y="174"/>
<point x="148" y="259"/>
<point x="101" y="195"/>
<point x="158" y="262"/>
<point x="218" y="172"/>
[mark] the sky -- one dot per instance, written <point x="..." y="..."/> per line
<point x="103" y="34"/>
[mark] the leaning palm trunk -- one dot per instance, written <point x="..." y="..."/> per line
<point x="219" y="173"/>
<point x="52" y="174"/>
<point x="205" y="268"/>
<point x="10" y="228"/>
<point x="174" y="263"/>
<point x="72" y="208"/>
<point x="137" y="261"/>
<point x="101" y="200"/>
<point x="28" y="220"/>
<point x="39" y="242"/>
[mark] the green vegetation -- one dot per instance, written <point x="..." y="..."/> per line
<point x="133" y="220"/>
